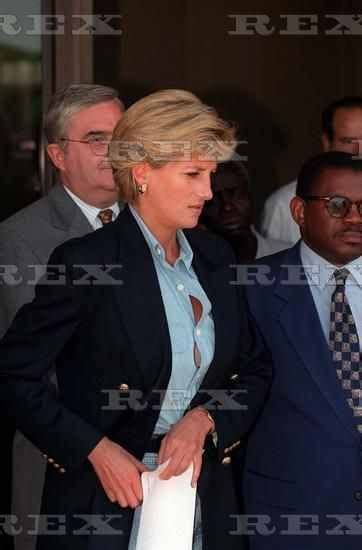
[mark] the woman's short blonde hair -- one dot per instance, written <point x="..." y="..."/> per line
<point x="164" y="126"/>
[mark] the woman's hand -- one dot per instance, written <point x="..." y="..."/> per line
<point x="184" y="444"/>
<point x="119" y="473"/>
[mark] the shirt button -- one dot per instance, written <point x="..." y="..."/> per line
<point x="180" y="287"/>
<point x="158" y="250"/>
<point x="198" y="332"/>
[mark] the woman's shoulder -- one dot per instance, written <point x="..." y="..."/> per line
<point x="91" y="246"/>
<point x="210" y="244"/>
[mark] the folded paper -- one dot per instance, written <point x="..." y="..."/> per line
<point x="168" y="510"/>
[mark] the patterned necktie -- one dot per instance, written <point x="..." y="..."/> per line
<point x="105" y="216"/>
<point x="344" y="345"/>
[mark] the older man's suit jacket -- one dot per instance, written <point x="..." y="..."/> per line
<point x="110" y="339"/>
<point x="304" y="457"/>
<point x="27" y="239"/>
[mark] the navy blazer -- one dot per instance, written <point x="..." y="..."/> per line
<point x="305" y="453"/>
<point x="100" y="316"/>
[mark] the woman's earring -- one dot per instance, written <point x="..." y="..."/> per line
<point x="142" y="188"/>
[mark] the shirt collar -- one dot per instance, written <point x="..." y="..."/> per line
<point x="157" y="250"/>
<point x="90" y="211"/>
<point x="320" y="272"/>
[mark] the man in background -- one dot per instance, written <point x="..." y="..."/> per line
<point x="78" y="127"/>
<point x="303" y="471"/>
<point x="230" y="214"/>
<point x="341" y="131"/>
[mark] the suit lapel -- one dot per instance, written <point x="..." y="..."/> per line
<point x="140" y="303"/>
<point x="215" y="279"/>
<point x="143" y="315"/>
<point x="66" y="215"/>
<point x="300" y="321"/>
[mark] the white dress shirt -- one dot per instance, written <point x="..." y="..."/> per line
<point x="276" y="220"/>
<point x="322" y="285"/>
<point x="267" y="246"/>
<point x="91" y="212"/>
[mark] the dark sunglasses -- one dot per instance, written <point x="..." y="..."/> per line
<point x="337" y="207"/>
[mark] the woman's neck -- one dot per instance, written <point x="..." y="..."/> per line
<point x="166" y="236"/>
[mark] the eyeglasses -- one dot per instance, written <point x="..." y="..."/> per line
<point x="337" y="207"/>
<point x="98" y="146"/>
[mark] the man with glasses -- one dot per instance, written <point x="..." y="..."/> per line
<point x="303" y="473"/>
<point x="341" y="131"/>
<point x="78" y="127"/>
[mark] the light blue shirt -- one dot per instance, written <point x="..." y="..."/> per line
<point x="177" y="283"/>
<point x="322" y="285"/>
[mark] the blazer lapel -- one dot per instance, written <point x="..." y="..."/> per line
<point x="215" y="278"/>
<point x="144" y="316"/>
<point x="140" y="303"/>
<point x="299" y="318"/>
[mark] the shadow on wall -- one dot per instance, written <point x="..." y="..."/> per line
<point x="265" y="138"/>
<point x="131" y="92"/>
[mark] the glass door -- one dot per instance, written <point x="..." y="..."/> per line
<point x="20" y="104"/>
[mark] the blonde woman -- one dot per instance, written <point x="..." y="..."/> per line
<point x="147" y="342"/>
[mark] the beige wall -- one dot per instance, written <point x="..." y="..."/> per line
<point x="273" y="86"/>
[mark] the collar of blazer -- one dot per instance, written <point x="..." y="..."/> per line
<point x="298" y="317"/>
<point x="144" y="317"/>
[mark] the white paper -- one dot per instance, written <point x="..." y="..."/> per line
<point x="168" y="509"/>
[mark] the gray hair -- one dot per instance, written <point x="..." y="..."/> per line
<point x="70" y="100"/>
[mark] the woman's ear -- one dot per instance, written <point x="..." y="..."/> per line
<point x="140" y="172"/>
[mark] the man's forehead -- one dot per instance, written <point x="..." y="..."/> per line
<point x="348" y="120"/>
<point x="339" y="181"/>
<point x="98" y="118"/>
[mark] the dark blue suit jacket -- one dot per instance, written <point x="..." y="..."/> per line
<point x="110" y="334"/>
<point x="305" y="453"/>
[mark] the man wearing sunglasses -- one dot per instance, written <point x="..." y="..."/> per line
<point x="303" y="474"/>
<point x="78" y="127"/>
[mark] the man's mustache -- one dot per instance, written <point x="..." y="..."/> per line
<point x="357" y="228"/>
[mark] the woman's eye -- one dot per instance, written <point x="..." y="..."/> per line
<point x="192" y="174"/>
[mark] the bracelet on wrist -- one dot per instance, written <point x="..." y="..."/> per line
<point x="206" y="412"/>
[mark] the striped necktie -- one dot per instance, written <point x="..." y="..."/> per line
<point x="105" y="215"/>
